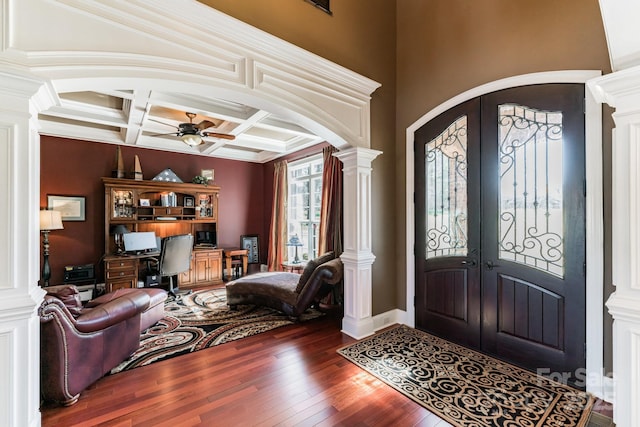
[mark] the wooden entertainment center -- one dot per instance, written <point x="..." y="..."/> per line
<point x="167" y="209"/>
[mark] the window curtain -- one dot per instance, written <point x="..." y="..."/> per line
<point x="278" y="226"/>
<point x="330" y="232"/>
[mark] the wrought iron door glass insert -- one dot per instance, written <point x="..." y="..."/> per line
<point x="446" y="191"/>
<point x="531" y="198"/>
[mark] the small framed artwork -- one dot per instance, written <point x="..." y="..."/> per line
<point x="145" y="202"/>
<point x="189" y="202"/>
<point x="322" y="5"/>
<point x="71" y="208"/>
<point x="250" y="243"/>
<point x="207" y="174"/>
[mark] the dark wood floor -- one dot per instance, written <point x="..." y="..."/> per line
<point x="290" y="376"/>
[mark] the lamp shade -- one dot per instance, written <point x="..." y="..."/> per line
<point x="50" y="220"/>
<point x="119" y="229"/>
<point x="294" y="241"/>
<point x="192" y="139"/>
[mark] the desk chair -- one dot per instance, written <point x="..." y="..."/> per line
<point x="175" y="258"/>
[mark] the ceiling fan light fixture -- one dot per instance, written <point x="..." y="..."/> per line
<point x="191" y="139"/>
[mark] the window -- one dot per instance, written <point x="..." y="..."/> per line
<point x="303" y="204"/>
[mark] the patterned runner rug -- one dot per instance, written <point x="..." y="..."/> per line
<point x="465" y="387"/>
<point x="201" y="320"/>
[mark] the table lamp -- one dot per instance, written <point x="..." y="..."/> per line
<point x="49" y="220"/>
<point x="295" y="241"/>
<point x="117" y="232"/>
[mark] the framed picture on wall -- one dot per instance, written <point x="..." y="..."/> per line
<point x="207" y="174"/>
<point x="250" y="243"/>
<point x="71" y="208"/>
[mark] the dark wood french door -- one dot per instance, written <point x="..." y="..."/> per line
<point x="500" y="226"/>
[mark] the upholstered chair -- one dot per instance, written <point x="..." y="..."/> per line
<point x="78" y="346"/>
<point x="290" y="293"/>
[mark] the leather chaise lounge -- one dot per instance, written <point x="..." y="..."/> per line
<point x="290" y="293"/>
<point x="78" y="345"/>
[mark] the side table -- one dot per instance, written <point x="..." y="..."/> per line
<point x="294" y="267"/>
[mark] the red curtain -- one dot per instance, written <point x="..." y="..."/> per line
<point x="330" y="232"/>
<point x="278" y="227"/>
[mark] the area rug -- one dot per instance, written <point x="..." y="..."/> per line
<point x="201" y="320"/>
<point x="465" y="387"/>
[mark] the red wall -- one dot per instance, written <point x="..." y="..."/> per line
<point x="75" y="168"/>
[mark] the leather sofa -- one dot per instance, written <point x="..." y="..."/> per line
<point x="149" y="316"/>
<point x="78" y="345"/>
<point x="290" y="293"/>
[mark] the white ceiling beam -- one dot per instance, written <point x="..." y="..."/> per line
<point x="136" y="112"/>
<point x="83" y="112"/>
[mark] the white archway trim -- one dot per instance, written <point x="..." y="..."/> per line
<point x="597" y="383"/>
<point x="139" y="39"/>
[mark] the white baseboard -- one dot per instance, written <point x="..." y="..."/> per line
<point x="388" y="318"/>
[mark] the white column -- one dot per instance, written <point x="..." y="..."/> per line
<point x="20" y="294"/>
<point x="620" y="90"/>
<point x="357" y="256"/>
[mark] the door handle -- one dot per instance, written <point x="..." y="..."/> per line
<point x="490" y="265"/>
<point x="469" y="262"/>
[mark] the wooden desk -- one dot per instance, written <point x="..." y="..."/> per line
<point x="123" y="271"/>
<point x="231" y="252"/>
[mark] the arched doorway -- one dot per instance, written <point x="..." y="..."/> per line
<point x="594" y="203"/>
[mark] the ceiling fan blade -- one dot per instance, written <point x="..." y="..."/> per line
<point x="205" y="124"/>
<point x="165" y="134"/>
<point x="162" y="123"/>
<point x="219" y="135"/>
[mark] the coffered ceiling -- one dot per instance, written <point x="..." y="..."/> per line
<point x="144" y="118"/>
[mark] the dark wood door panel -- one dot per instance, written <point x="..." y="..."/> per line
<point x="534" y="303"/>
<point x="448" y="293"/>
<point x="447" y="277"/>
<point x="530" y="312"/>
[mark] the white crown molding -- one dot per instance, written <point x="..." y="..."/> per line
<point x="624" y="306"/>
<point x="620" y="89"/>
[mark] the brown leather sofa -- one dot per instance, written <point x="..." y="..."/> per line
<point x="79" y="345"/>
<point x="291" y="293"/>
<point x="150" y="316"/>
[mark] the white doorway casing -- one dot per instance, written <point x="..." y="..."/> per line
<point x="101" y="45"/>
<point x="596" y="381"/>
<point x="620" y="90"/>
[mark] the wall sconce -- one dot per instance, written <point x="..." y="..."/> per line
<point x="295" y="241"/>
<point x="49" y="220"/>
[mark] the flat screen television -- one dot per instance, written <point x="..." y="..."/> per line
<point x="140" y="242"/>
<point x="206" y="238"/>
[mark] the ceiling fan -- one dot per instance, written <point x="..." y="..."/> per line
<point x="192" y="133"/>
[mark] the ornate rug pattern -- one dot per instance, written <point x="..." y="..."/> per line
<point x="201" y="320"/>
<point x="465" y="387"/>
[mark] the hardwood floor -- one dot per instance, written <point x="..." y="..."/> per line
<point x="291" y="376"/>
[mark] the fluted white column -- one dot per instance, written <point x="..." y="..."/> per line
<point x="20" y="294"/>
<point x="357" y="257"/>
<point x="620" y="90"/>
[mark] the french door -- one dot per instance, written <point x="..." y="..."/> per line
<point x="500" y="226"/>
